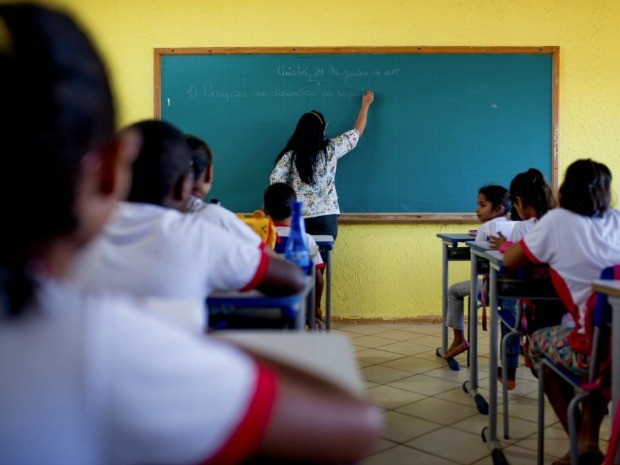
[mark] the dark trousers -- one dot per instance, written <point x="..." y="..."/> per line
<point x="326" y="224"/>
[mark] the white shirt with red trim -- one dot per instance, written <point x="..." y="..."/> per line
<point x="97" y="380"/>
<point x="225" y="219"/>
<point x="577" y="249"/>
<point x="151" y="251"/>
<point x="492" y="227"/>
<point x="521" y="228"/>
<point x="313" y="248"/>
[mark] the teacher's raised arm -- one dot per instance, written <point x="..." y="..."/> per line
<point x="360" y="122"/>
<point x="308" y="163"/>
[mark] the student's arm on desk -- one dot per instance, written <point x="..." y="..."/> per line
<point x="281" y="278"/>
<point x="515" y="257"/>
<point x="319" y="414"/>
<point x="336" y="427"/>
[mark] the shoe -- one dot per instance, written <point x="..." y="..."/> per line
<point x="462" y="347"/>
<point x="320" y="325"/>
<point x="511" y="382"/>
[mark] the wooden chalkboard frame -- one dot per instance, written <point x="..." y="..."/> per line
<point x="386" y="218"/>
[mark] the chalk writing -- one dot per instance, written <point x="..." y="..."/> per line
<point x="320" y="73"/>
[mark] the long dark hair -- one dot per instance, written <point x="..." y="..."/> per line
<point x="586" y="189"/>
<point x="306" y="143"/>
<point x="56" y="107"/>
<point x="533" y="190"/>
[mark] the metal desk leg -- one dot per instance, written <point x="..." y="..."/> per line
<point x="496" y="451"/>
<point x="471" y="386"/>
<point x="615" y="367"/>
<point x="444" y="300"/>
<point x="328" y="289"/>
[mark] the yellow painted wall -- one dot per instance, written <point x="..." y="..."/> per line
<point x="382" y="271"/>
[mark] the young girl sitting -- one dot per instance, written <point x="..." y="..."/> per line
<point x="492" y="207"/>
<point x="532" y="198"/>
<point x="577" y="241"/>
<point x="93" y="378"/>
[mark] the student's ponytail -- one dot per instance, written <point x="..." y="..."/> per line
<point x="532" y="188"/>
<point x="56" y="107"/>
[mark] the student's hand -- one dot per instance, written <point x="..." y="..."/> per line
<point x="368" y="98"/>
<point x="497" y="241"/>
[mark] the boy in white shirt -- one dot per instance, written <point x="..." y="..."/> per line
<point x="202" y="168"/>
<point x="151" y="250"/>
<point x="277" y="201"/>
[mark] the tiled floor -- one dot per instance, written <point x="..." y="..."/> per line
<point x="430" y="420"/>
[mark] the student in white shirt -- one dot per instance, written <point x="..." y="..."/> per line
<point x="577" y="241"/>
<point x="532" y="198"/>
<point x="93" y="379"/>
<point x="493" y="204"/>
<point x="152" y="250"/>
<point x="202" y="169"/>
<point x="277" y="201"/>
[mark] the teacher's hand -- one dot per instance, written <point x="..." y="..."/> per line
<point x="368" y="97"/>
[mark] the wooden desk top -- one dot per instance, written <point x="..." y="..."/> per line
<point x="606" y="286"/>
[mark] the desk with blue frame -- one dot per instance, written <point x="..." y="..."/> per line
<point x="453" y="250"/>
<point x="255" y="310"/>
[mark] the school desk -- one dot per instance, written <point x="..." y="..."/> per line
<point x="509" y="288"/>
<point x="326" y="243"/>
<point x="612" y="289"/>
<point x="294" y="306"/>
<point x="305" y="354"/>
<point x="451" y="252"/>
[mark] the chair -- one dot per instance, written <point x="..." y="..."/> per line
<point x="600" y="319"/>
<point x="526" y="289"/>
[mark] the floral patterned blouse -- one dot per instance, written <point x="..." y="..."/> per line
<point x="321" y="198"/>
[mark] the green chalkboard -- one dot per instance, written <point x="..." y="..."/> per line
<point x="445" y="121"/>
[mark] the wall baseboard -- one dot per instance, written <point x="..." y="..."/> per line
<point x="422" y="319"/>
<point x="416" y="320"/>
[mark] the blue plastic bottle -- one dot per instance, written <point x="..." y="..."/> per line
<point x="296" y="249"/>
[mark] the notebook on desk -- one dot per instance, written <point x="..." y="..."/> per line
<point x="321" y="358"/>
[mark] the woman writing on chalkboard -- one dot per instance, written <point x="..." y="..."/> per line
<point x="308" y="163"/>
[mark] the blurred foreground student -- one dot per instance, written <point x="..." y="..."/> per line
<point x="151" y="249"/>
<point x="92" y="379"/>
<point x="277" y="201"/>
<point x="577" y="241"/>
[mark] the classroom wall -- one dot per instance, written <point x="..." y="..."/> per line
<point x="382" y="271"/>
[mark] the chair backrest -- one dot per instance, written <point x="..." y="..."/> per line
<point x="598" y="319"/>
<point x="280" y="244"/>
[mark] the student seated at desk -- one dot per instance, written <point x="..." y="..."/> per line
<point x="493" y="204"/>
<point x="277" y="204"/>
<point x="577" y="241"/>
<point x="91" y="378"/>
<point x="202" y="169"/>
<point x="532" y="197"/>
<point x="151" y="250"/>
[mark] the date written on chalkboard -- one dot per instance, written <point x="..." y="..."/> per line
<point x="317" y="73"/>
